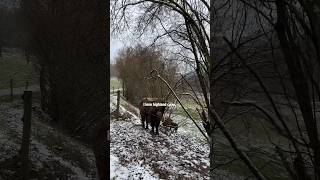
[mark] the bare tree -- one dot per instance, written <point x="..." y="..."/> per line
<point x="134" y="64"/>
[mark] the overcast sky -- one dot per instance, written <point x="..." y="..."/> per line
<point x="129" y="37"/>
<point x="115" y="46"/>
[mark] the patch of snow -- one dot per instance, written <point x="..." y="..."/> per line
<point x="118" y="171"/>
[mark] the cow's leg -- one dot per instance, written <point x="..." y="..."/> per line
<point x="152" y="125"/>
<point x="142" y="119"/>
<point x="147" y="122"/>
<point x="157" y="127"/>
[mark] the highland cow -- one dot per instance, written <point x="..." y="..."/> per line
<point x="150" y="113"/>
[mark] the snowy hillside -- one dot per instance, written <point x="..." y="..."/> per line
<point x="137" y="154"/>
<point x="53" y="154"/>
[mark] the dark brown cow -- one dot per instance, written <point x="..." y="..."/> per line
<point x="150" y="113"/>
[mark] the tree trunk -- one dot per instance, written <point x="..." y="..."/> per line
<point x="299" y="81"/>
<point x="211" y="91"/>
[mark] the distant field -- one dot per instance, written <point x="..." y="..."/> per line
<point x="13" y="65"/>
<point x="115" y="83"/>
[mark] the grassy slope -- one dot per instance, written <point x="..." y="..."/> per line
<point x="115" y="83"/>
<point x="53" y="153"/>
<point x="13" y="65"/>
<point x="245" y="129"/>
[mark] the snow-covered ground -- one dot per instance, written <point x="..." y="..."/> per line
<point x="53" y="154"/>
<point x="137" y="154"/>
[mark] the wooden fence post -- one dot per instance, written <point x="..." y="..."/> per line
<point x="123" y="89"/>
<point x="11" y="89"/>
<point x="24" y="151"/>
<point x="27" y="54"/>
<point x="27" y="85"/>
<point x="118" y="105"/>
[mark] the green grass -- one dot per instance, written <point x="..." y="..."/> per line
<point x="190" y="106"/>
<point x="271" y="171"/>
<point x="15" y="66"/>
<point x="254" y="131"/>
<point x="250" y="127"/>
<point x="115" y="83"/>
<point x="245" y="126"/>
<point x="192" y="111"/>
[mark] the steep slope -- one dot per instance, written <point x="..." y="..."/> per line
<point x="137" y="154"/>
<point x="54" y="155"/>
